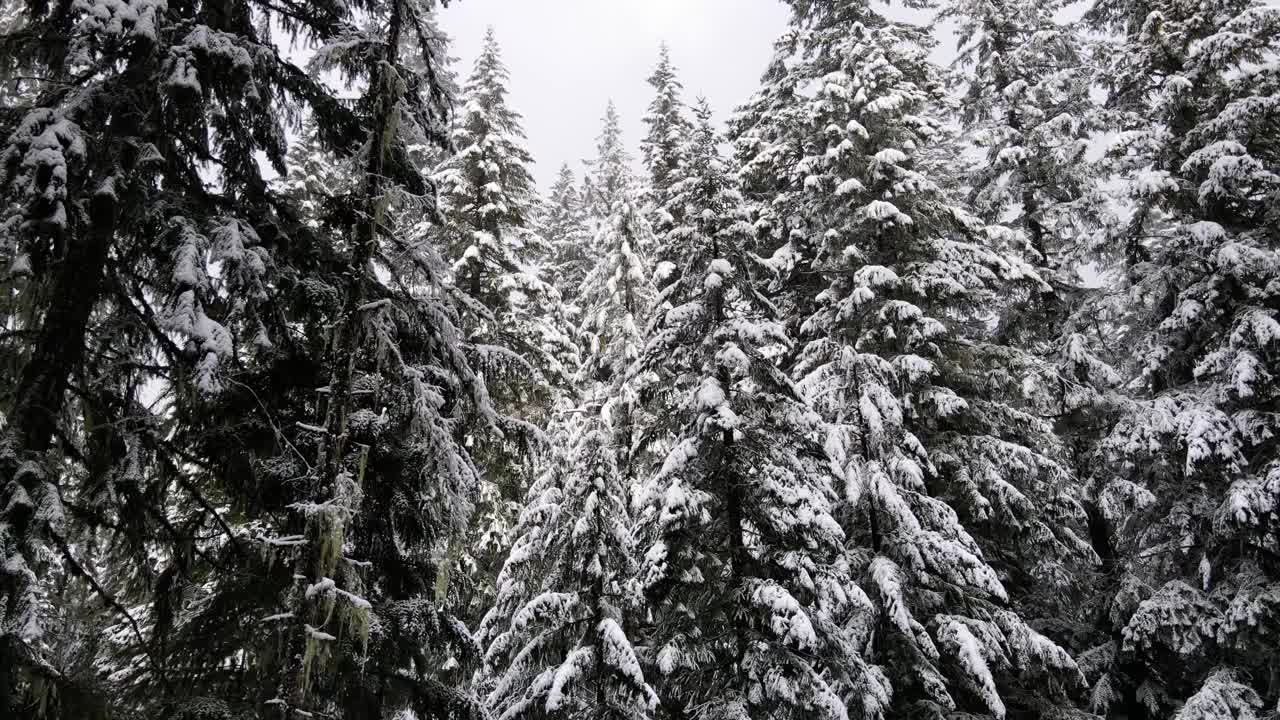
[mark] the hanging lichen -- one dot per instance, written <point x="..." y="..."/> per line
<point x="332" y="534"/>
<point x="353" y="620"/>
<point x="316" y="655"/>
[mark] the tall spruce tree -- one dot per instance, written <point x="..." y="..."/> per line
<point x="667" y="133"/>
<point x="204" y="375"/>
<point x="564" y="226"/>
<point x="1025" y="103"/>
<point x="839" y="465"/>
<point x="754" y="613"/>
<point x="519" y="579"/>
<point x="942" y="478"/>
<point x="129" y="165"/>
<point x="618" y="295"/>
<point x="555" y="640"/>
<point x="358" y="630"/>
<point x="489" y="204"/>
<point x="609" y="178"/>
<point x="1026" y="106"/>
<point x="1188" y="481"/>
<point x="489" y="201"/>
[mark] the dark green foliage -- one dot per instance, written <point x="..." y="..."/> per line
<point x="172" y="349"/>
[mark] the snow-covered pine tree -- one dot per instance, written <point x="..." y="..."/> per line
<point x="940" y="475"/>
<point x="555" y="641"/>
<point x="519" y="580"/>
<point x="744" y="571"/>
<point x="618" y="295"/>
<point x="563" y="589"/>
<point x="392" y="481"/>
<point x="563" y="224"/>
<point x="1189" y="482"/>
<point x="486" y="186"/>
<point x="762" y="144"/>
<point x="131" y="166"/>
<point x="566" y="251"/>
<point x="316" y="178"/>
<point x="524" y="352"/>
<point x="430" y="155"/>
<point x="1025" y="103"/>
<point x="609" y="178"/>
<point x="195" y="355"/>
<point x="1027" y="108"/>
<point x="1028" y="115"/>
<point x="488" y="199"/>
<point x="667" y="133"/>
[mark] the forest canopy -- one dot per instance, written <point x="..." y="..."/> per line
<point x="902" y="391"/>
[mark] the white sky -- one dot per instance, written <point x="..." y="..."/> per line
<point x="568" y="57"/>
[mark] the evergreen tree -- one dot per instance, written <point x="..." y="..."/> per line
<point x="618" y="295"/>
<point x="203" y="376"/>
<point x="487" y="196"/>
<point x="943" y="479"/>
<point x="358" y="629"/>
<point x="487" y="185"/>
<point x="488" y="201"/>
<point x="556" y="640"/>
<point x="564" y="226"/>
<point x="663" y="145"/>
<point x="130" y="164"/>
<point x="749" y="591"/>
<point x="522" y="569"/>
<point x="609" y="178"/>
<point x="1026" y="105"/>
<point x="264" y="443"/>
<point x="1190" y="499"/>
<point x="317" y="178"/>
<point x="586" y="556"/>
<point x="555" y="637"/>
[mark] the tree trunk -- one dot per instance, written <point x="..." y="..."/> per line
<point x="342" y="361"/>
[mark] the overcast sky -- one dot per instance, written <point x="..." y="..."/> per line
<point x="568" y="57"/>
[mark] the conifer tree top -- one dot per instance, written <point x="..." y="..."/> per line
<point x="489" y="175"/>
<point x="609" y="177"/>
<point x="667" y="126"/>
<point x="487" y="85"/>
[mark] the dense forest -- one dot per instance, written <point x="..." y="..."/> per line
<point x="903" y="392"/>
